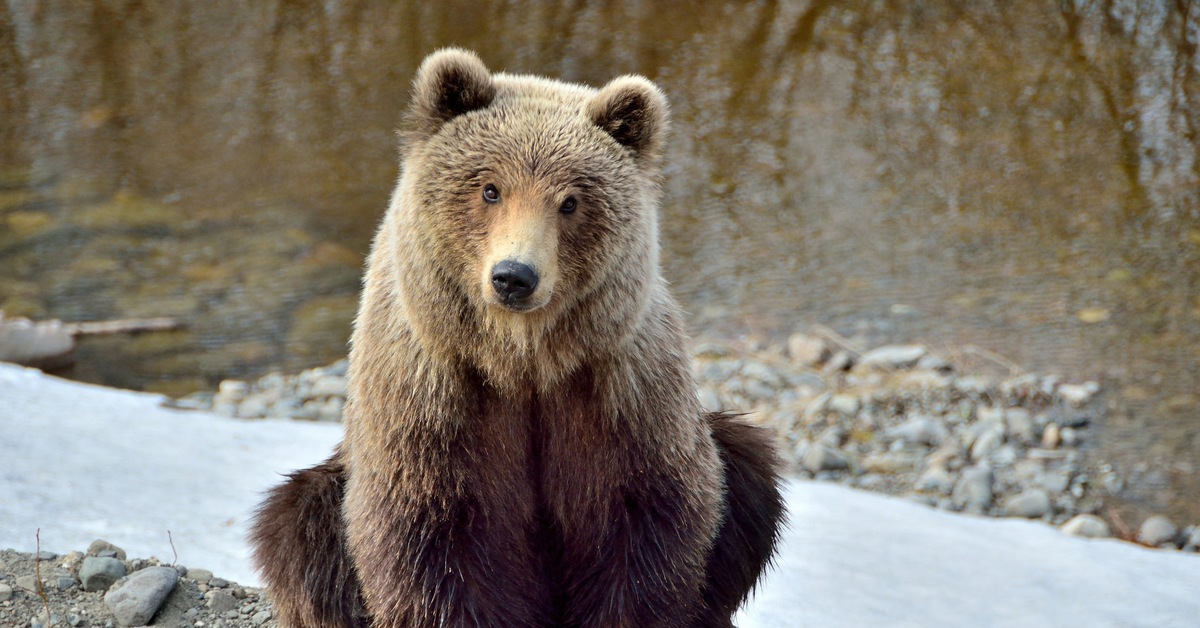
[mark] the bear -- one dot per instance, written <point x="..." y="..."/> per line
<point x="524" y="443"/>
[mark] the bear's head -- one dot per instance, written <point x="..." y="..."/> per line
<point x="526" y="214"/>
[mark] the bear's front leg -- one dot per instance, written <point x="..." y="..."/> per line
<point x="439" y="519"/>
<point x="641" y="562"/>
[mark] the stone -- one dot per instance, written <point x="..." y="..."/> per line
<point x="935" y="480"/>
<point x="6" y="592"/>
<point x="845" y="405"/>
<point x="1070" y="436"/>
<point x="64" y="582"/>
<point x="931" y="362"/>
<point x="1078" y="394"/>
<point x="260" y="618"/>
<point x="918" y="430"/>
<point x="29" y="583"/>
<point x="973" y="490"/>
<point x="1157" y="530"/>
<point x="840" y="361"/>
<point x="219" y="601"/>
<point x="136" y="599"/>
<point x="199" y="575"/>
<point x="98" y="573"/>
<point x="1051" y="436"/>
<point x="988" y="441"/>
<point x="1086" y="526"/>
<point x="710" y="400"/>
<point x="328" y="386"/>
<point x="807" y="350"/>
<point x="219" y="583"/>
<point x="1031" y="504"/>
<point x="1020" y="425"/>
<point x="972" y="386"/>
<point x="1191" y="539"/>
<point x="892" y="357"/>
<point x="44" y="555"/>
<point x="889" y="463"/>
<point x="820" y="458"/>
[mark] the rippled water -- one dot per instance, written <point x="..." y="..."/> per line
<point x="1022" y="177"/>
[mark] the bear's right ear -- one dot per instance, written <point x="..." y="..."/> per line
<point x="449" y="83"/>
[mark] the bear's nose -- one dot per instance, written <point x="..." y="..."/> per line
<point x="513" y="281"/>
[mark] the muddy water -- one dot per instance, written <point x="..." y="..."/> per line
<point x="1022" y="177"/>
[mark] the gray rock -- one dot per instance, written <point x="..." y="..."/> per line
<point x="1191" y="539"/>
<point x="328" y="386"/>
<point x="1020" y="424"/>
<point x="935" y="480"/>
<point x="219" y="601"/>
<point x="920" y="430"/>
<point x="840" y="361"/>
<point x="807" y="350"/>
<point x="219" y="583"/>
<point x="1157" y="530"/>
<point x="261" y="618"/>
<point x="199" y="575"/>
<point x="820" y="458"/>
<point x="973" y="490"/>
<point x="989" y="440"/>
<point x="29" y="583"/>
<point x="1078" y="394"/>
<point x="253" y="407"/>
<point x="44" y="555"/>
<point x="1032" y="504"/>
<point x="1070" y="436"/>
<point x="709" y="399"/>
<point x="65" y="582"/>
<point x="892" y="357"/>
<point x="135" y="600"/>
<point x="931" y="362"/>
<point x="1086" y="526"/>
<point x="1053" y="481"/>
<point x="6" y="592"/>
<point x="98" y="574"/>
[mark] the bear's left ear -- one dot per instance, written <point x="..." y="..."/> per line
<point x="634" y="112"/>
<point x="449" y="83"/>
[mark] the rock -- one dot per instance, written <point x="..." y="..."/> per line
<point x="199" y="575"/>
<point x="845" y="405"/>
<point x="1157" y="530"/>
<point x="1051" y="437"/>
<point x="935" y="480"/>
<point x="973" y="490"/>
<point x="253" y="407"/>
<point x="988" y="441"/>
<point x="29" y="583"/>
<point x="710" y="400"/>
<point x="840" y="361"/>
<point x="892" y="357"/>
<point x="820" y="458"/>
<point x="135" y="600"/>
<point x="919" y="430"/>
<point x="219" y="601"/>
<point x="65" y="582"/>
<point x="1020" y="424"/>
<point x="1086" y="526"/>
<point x="44" y="555"/>
<point x="328" y="386"/>
<point x="99" y="573"/>
<point x="1032" y="504"/>
<point x="889" y="463"/>
<point x="1078" y="394"/>
<point x="6" y="593"/>
<point x="261" y="618"/>
<point x="1070" y="436"/>
<point x="100" y="545"/>
<point x="931" y="362"/>
<point x="974" y="386"/>
<point x="807" y="350"/>
<point x="1191" y="539"/>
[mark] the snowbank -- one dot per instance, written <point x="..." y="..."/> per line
<point x="83" y="462"/>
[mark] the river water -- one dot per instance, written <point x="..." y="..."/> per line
<point x="1022" y="177"/>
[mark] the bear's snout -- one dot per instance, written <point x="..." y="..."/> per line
<point x="513" y="282"/>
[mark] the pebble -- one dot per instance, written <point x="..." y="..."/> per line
<point x="1031" y="504"/>
<point x="973" y="490"/>
<point x="1157" y="530"/>
<point x="840" y="361"/>
<point x="919" y="430"/>
<point x="931" y="362"/>
<point x="1087" y="526"/>
<point x="100" y="545"/>
<point x="261" y="618"/>
<point x="1020" y="424"/>
<point x="29" y="583"/>
<point x="845" y="405"/>
<point x="6" y="592"/>
<point x="98" y="574"/>
<point x="1069" y="436"/>
<point x="807" y="350"/>
<point x="219" y="601"/>
<point x="821" y="458"/>
<point x="892" y="357"/>
<point x="135" y="600"/>
<point x="1051" y="437"/>
<point x="44" y="555"/>
<point x="1192" y="539"/>
<point x="935" y="480"/>
<point x="1078" y="394"/>
<point x="199" y="575"/>
<point x="988" y="441"/>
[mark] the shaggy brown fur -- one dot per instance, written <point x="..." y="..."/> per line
<point x="539" y="460"/>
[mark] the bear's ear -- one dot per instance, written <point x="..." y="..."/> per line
<point x="449" y="83"/>
<point x="634" y="112"/>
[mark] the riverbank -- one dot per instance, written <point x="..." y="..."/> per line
<point x="900" y="420"/>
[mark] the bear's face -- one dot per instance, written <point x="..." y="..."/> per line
<point x="529" y="200"/>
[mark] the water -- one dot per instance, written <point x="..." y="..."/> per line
<point x="1021" y="177"/>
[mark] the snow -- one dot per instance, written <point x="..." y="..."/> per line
<point x="83" y="462"/>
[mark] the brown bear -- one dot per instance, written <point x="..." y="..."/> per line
<point x="524" y="443"/>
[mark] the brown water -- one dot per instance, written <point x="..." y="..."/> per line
<point x="1021" y="176"/>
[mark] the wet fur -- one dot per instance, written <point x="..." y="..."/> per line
<point x="542" y="468"/>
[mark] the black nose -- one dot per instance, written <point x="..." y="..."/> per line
<point x="513" y="281"/>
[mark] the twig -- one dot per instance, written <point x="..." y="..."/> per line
<point x="1123" y="531"/>
<point x="122" y="326"/>
<point x="37" y="568"/>
<point x="172" y="542"/>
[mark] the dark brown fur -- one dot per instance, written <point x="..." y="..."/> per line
<point x="539" y="464"/>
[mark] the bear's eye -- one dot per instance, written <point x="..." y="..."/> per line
<point x="491" y="193"/>
<point x="568" y="205"/>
